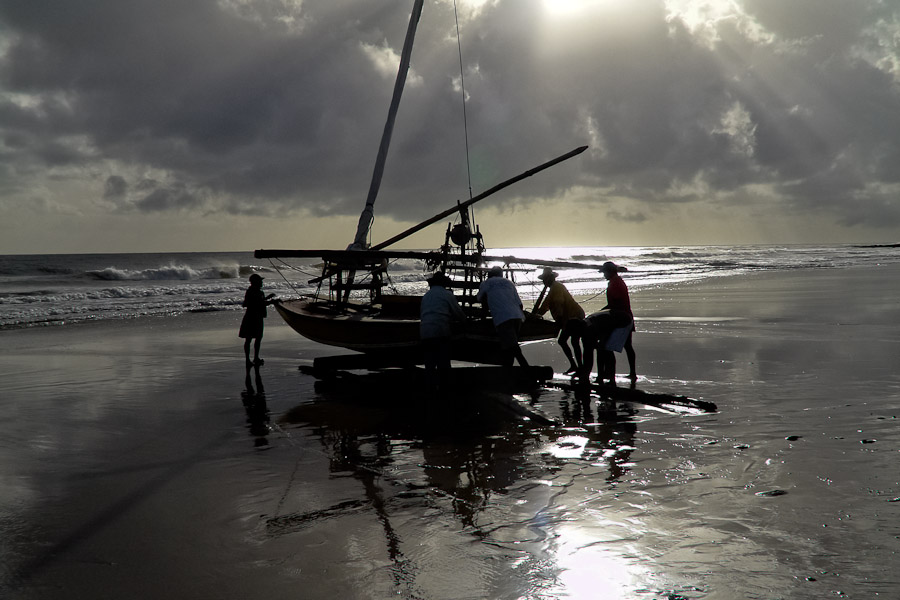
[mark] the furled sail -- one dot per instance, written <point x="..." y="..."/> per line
<point x="368" y="214"/>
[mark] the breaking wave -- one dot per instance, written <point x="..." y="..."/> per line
<point x="168" y="273"/>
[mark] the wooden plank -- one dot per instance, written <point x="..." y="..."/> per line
<point x="625" y="394"/>
<point x="495" y="385"/>
<point x="404" y="366"/>
<point x="510" y="403"/>
<point x="366" y="361"/>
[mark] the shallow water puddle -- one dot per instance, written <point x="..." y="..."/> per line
<point x="542" y="502"/>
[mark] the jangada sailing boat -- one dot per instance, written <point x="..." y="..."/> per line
<point x="351" y="308"/>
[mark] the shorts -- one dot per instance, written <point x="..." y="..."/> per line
<point x="573" y="328"/>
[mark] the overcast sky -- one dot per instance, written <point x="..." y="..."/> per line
<point x="181" y="125"/>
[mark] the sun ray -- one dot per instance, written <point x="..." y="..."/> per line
<point x="567" y="7"/>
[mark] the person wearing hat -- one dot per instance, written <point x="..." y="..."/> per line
<point x="566" y="312"/>
<point x="498" y="295"/>
<point x="252" y="324"/>
<point x="615" y="321"/>
<point x="438" y="311"/>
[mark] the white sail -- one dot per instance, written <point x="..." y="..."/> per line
<point x="368" y="214"/>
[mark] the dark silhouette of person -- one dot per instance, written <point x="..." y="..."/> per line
<point x="438" y="311"/>
<point x="254" y="318"/>
<point x="566" y="312"/>
<point x="629" y="352"/>
<point x="500" y="297"/>
<point x="601" y="325"/>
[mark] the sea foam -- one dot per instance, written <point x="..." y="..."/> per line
<point x="169" y="272"/>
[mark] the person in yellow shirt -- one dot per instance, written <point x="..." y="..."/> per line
<point x="566" y="312"/>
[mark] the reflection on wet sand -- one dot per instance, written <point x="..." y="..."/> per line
<point x="520" y="490"/>
<point x="257" y="410"/>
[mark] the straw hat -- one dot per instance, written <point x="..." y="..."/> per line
<point x="548" y="274"/>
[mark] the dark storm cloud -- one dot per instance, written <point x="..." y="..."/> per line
<point x="260" y="107"/>
<point x="115" y="188"/>
<point x="165" y="199"/>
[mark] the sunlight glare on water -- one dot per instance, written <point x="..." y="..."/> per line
<point x="570" y="446"/>
<point x="588" y="570"/>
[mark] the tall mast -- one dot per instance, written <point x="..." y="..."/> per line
<point x="368" y="214"/>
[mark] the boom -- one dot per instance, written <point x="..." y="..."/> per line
<point x="349" y="256"/>
<point x="463" y="205"/>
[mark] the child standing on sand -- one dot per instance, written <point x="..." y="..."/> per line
<point x="252" y="324"/>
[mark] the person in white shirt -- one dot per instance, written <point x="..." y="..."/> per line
<point x="439" y="310"/>
<point x="499" y="295"/>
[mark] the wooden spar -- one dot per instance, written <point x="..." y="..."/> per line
<point x="658" y="399"/>
<point x="365" y="219"/>
<point x="464" y="205"/>
<point x="537" y="303"/>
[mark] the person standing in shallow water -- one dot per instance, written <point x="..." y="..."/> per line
<point x="566" y="312"/>
<point x="499" y="296"/>
<point x="601" y="325"/>
<point x="438" y="312"/>
<point x="253" y="322"/>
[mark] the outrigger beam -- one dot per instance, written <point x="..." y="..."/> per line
<point x="464" y="205"/>
<point x="361" y="256"/>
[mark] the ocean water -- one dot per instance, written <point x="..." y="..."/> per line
<point x="350" y="489"/>
<point x="61" y="289"/>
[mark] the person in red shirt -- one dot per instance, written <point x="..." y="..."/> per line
<point x="600" y="325"/>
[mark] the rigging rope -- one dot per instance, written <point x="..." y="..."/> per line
<point x="278" y="270"/>
<point x="462" y="85"/>
<point x="291" y="267"/>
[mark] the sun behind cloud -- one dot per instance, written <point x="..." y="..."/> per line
<point x="567" y="7"/>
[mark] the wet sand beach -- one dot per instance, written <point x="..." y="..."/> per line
<point x="137" y="460"/>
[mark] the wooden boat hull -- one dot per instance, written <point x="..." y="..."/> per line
<point x="379" y="330"/>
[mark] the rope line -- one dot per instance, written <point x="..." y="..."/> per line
<point x="462" y="85"/>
